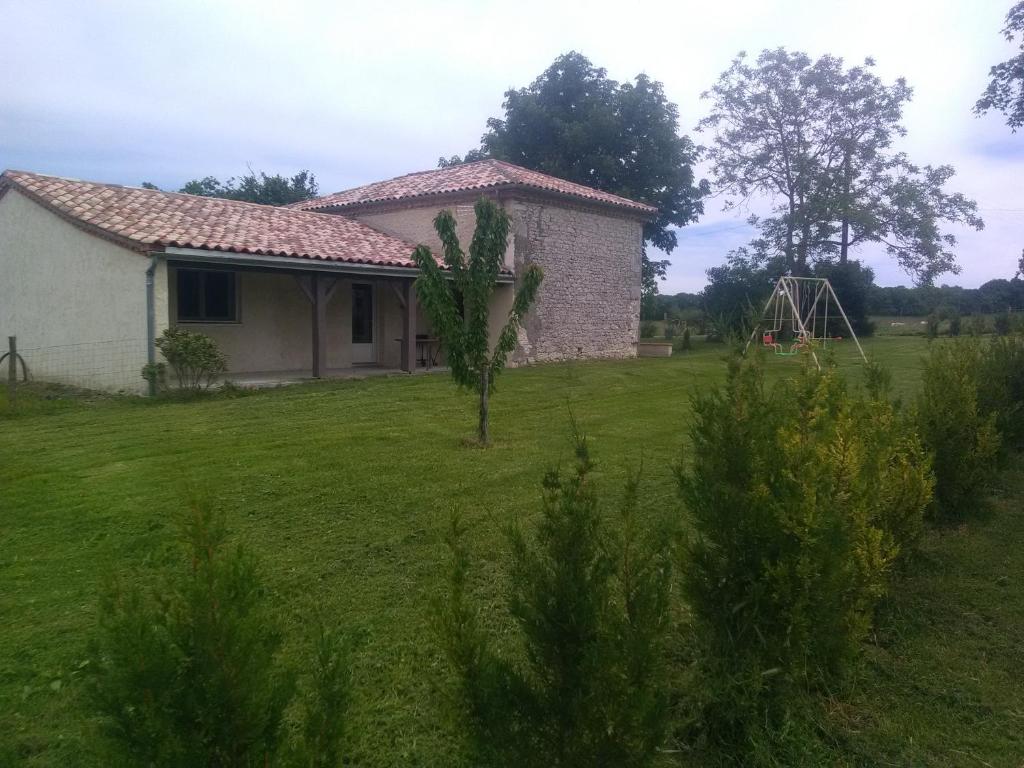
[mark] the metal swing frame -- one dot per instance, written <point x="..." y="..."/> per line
<point x="787" y="304"/>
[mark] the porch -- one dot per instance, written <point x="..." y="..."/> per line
<point x="280" y="321"/>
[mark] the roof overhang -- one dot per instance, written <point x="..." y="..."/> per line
<point x="295" y="264"/>
<point x="500" y="193"/>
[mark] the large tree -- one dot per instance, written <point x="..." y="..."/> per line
<point x="1005" y="90"/>
<point x="576" y="123"/>
<point x="816" y="139"/>
<point x="254" y="187"/>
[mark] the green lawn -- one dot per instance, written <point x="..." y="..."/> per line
<point x="344" y="490"/>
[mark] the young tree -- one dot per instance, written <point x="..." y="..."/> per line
<point x="1005" y="90"/>
<point x="189" y="673"/>
<point x="575" y="123"/>
<point x="816" y="139"/>
<point x="458" y="300"/>
<point x="592" y="609"/>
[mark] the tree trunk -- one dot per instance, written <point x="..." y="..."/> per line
<point x="483" y="430"/>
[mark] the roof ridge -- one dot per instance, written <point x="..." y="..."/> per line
<point x="167" y="192"/>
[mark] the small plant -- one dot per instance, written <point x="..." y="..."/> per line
<point x="591" y="607"/>
<point x="801" y="499"/>
<point x="962" y="438"/>
<point x="931" y="327"/>
<point x="648" y="330"/>
<point x="458" y="301"/>
<point x="194" y="357"/>
<point x="156" y="375"/>
<point x="189" y="672"/>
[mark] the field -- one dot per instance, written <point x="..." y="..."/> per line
<point x="344" y="489"/>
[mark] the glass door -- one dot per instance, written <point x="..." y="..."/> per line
<point x="363" y="348"/>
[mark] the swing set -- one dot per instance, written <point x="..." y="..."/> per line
<point x="796" y="318"/>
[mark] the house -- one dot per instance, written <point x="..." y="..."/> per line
<point x="91" y="274"/>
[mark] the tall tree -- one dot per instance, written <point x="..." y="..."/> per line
<point x="817" y="140"/>
<point x="254" y="187"/>
<point x="458" y="301"/>
<point x="1005" y="90"/>
<point x="576" y="123"/>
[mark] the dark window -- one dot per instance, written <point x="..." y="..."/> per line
<point x="362" y="313"/>
<point x="206" y="296"/>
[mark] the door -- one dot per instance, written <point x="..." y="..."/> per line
<point x="363" y="343"/>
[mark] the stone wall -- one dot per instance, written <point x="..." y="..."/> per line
<point x="589" y="303"/>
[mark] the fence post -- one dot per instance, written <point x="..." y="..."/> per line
<point x="12" y="372"/>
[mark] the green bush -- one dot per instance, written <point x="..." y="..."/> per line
<point x="931" y="328"/>
<point x="961" y="437"/>
<point x="1001" y="386"/>
<point x="977" y="325"/>
<point x="590" y="606"/>
<point x="1003" y="323"/>
<point x="954" y="323"/>
<point x="685" y="345"/>
<point x="648" y="330"/>
<point x="194" y="357"/>
<point x="793" y="542"/>
<point x="188" y="673"/>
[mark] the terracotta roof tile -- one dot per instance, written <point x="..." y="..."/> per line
<point x="143" y="217"/>
<point x="481" y="175"/>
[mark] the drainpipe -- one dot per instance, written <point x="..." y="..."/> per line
<point x="154" y="259"/>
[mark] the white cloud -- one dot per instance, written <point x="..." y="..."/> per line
<point x="128" y="91"/>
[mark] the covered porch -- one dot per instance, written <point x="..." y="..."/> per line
<point x="280" y="319"/>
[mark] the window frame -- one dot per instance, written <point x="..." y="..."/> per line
<point x="201" y="318"/>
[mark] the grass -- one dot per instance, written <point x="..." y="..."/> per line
<point x="344" y="491"/>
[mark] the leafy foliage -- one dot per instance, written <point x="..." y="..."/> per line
<point x="458" y="300"/>
<point x="961" y="437"/>
<point x="253" y="187"/>
<point x="256" y="187"/>
<point x="591" y="607"/>
<point x="188" y="673"/>
<point x="1001" y="386"/>
<point x="1005" y="91"/>
<point x="802" y="498"/>
<point x="575" y="123"/>
<point x="194" y="357"/>
<point x="817" y="138"/>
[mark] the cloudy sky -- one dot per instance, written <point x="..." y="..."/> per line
<point x="131" y="91"/>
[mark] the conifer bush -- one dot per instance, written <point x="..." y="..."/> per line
<point x="961" y="437"/>
<point x="1001" y="386"/>
<point x="590" y="605"/>
<point x="802" y="497"/>
<point x="188" y="673"/>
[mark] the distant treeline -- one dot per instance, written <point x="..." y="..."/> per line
<point x="990" y="298"/>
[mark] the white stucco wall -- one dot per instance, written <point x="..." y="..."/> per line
<point x="76" y="302"/>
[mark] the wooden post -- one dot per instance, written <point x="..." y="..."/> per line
<point x="408" y="300"/>
<point x="318" y="289"/>
<point x="12" y="371"/>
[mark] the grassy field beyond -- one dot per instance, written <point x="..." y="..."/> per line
<point x="344" y="490"/>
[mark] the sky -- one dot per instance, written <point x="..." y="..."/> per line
<point x="126" y="92"/>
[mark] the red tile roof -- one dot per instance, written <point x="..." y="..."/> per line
<point x="145" y="219"/>
<point x="481" y="175"/>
